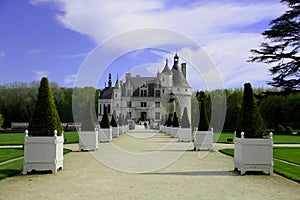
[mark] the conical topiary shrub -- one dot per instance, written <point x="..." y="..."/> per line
<point x="120" y="122"/>
<point x="250" y="120"/>
<point x="169" y="122"/>
<point x="124" y="121"/>
<point x="45" y="117"/>
<point x="89" y="122"/>
<point x="203" y="121"/>
<point x="185" y="122"/>
<point x="175" y="120"/>
<point x="113" y="122"/>
<point x="105" y="120"/>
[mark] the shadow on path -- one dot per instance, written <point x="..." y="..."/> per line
<point x="198" y="173"/>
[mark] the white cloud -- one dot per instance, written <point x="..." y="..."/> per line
<point x="2" y="54"/>
<point x="219" y="26"/>
<point x="39" y="74"/>
<point x="70" y="79"/>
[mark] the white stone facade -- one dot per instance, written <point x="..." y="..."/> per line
<point x="148" y="98"/>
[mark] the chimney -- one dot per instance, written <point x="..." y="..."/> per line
<point x="183" y="69"/>
<point x="128" y="75"/>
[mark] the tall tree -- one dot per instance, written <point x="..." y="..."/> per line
<point x="281" y="48"/>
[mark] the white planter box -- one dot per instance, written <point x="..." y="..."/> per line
<point x="43" y="153"/>
<point x="105" y="135"/>
<point x="162" y="128"/>
<point x="203" y="140"/>
<point x="252" y="154"/>
<point x="174" y="132"/>
<point x="88" y="140"/>
<point x="121" y="130"/>
<point x="115" y="131"/>
<point x="167" y="130"/>
<point x="184" y="135"/>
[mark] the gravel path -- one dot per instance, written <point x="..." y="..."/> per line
<point x="195" y="175"/>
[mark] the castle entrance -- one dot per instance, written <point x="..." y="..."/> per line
<point x="143" y="116"/>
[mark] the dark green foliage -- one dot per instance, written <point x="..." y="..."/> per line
<point x="250" y="120"/>
<point x="289" y="130"/>
<point x="1" y="120"/>
<point x="120" y="122"/>
<point x="281" y="47"/>
<point x="169" y="122"/>
<point x="280" y="129"/>
<point x="175" y="120"/>
<point x="203" y="122"/>
<point x="89" y="122"/>
<point x="124" y="121"/>
<point x="113" y="122"/>
<point x="45" y="117"/>
<point x="185" y="122"/>
<point x="105" y="120"/>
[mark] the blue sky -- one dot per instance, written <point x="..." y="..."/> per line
<point x="54" y="37"/>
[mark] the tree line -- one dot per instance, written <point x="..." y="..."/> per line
<point x="280" y="110"/>
<point x="17" y="101"/>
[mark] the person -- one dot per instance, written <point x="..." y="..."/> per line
<point x="145" y="124"/>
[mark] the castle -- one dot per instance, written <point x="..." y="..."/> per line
<point x="148" y="98"/>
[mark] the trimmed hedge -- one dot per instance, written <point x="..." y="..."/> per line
<point x="45" y="117"/>
<point x="175" y="120"/>
<point x="250" y="120"/>
<point x="185" y="122"/>
<point x="203" y="121"/>
<point x="105" y="120"/>
<point x="89" y="122"/>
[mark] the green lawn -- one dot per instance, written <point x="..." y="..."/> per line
<point x="285" y="153"/>
<point x="222" y="137"/>
<point x="11" y="169"/>
<point x="278" y="139"/>
<point x="11" y="153"/>
<point x="15" y="167"/>
<point x="12" y="139"/>
<point x="290" y="154"/>
<point x="18" y="138"/>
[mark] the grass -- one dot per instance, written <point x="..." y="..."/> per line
<point x="10" y="153"/>
<point x="15" y="167"/>
<point x="222" y="137"/>
<point x="12" y="139"/>
<point x="284" y="169"/>
<point x="11" y="168"/>
<point x="278" y="139"/>
<point x="290" y="154"/>
<point x="18" y="138"/>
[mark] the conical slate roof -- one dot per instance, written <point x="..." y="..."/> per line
<point x="167" y="70"/>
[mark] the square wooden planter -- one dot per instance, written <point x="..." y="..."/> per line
<point x="251" y="154"/>
<point x="105" y="135"/>
<point x="184" y="134"/>
<point x="115" y="131"/>
<point x="43" y="153"/>
<point x="203" y="140"/>
<point x="88" y="140"/>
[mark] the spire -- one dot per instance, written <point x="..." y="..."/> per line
<point x="109" y="80"/>
<point x="176" y="62"/>
<point x="166" y="69"/>
<point x="117" y="84"/>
